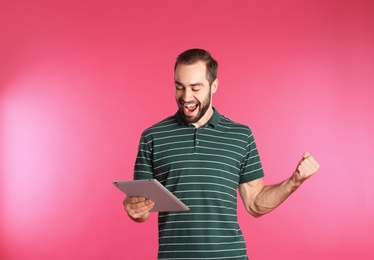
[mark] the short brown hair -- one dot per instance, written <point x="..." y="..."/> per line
<point x="192" y="56"/>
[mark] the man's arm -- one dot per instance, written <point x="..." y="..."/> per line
<point x="260" y="199"/>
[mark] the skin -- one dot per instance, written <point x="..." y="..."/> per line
<point x="260" y="199"/>
<point x="192" y="88"/>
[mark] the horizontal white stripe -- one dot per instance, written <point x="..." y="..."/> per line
<point x="195" y="214"/>
<point x="200" y="251"/>
<point x="198" y="169"/>
<point x="185" y="161"/>
<point x="201" y="221"/>
<point x="221" y="243"/>
<point x="196" y="229"/>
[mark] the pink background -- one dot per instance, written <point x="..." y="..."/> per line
<point x="80" y="81"/>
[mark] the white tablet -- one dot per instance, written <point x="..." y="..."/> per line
<point x="152" y="189"/>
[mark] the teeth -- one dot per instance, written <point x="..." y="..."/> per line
<point x="190" y="107"/>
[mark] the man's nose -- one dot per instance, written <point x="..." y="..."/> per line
<point x="187" y="95"/>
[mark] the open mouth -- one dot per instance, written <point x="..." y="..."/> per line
<point x="190" y="107"/>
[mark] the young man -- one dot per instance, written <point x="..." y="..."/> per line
<point x="203" y="158"/>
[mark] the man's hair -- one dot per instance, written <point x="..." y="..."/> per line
<point x="192" y="56"/>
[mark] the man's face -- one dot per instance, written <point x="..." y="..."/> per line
<point x="193" y="92"/>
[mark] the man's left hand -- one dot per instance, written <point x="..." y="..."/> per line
<point x="306" y="168"/>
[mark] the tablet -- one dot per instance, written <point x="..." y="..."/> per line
<point x="152" y="189"/>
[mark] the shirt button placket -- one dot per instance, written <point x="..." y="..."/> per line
<point x="197" y="139"/>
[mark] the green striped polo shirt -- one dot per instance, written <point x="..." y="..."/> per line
<point x="202" y="167"/>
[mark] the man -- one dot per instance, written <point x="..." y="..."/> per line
<point x="204" y="158"/>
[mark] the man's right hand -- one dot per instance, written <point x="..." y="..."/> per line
<point x="138" y="208"/>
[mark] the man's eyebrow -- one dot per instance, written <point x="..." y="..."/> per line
<point x="178" y="83"/>
<point x="191" y="85"/>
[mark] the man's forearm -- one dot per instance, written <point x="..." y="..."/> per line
<point x="273" y="195"/>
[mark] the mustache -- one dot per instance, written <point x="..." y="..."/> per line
<point x="182" y="102"/>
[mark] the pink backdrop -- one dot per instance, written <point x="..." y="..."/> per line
<point x="80" y="81"/>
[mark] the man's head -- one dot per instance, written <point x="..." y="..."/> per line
<point x="195" y="78"/>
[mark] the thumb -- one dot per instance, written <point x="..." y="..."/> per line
<point x="306" y="155"/>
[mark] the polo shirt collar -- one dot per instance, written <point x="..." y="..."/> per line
<point x="213" y="121"/>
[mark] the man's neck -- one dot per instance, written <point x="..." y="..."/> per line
<point x="205" y="119"/>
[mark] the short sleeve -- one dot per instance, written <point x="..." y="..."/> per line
<point x="252" y="167"/>
<point x="143" y="168"/>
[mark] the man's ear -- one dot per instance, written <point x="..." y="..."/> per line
<point x="214" y="86"/>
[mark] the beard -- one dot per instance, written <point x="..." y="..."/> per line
<point x="201" y="106"/>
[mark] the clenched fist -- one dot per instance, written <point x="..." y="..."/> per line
<point x="306" y="167"/>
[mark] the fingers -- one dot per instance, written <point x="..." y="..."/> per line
<point x="137" y="207"/>
<point x="307" y="166"/>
